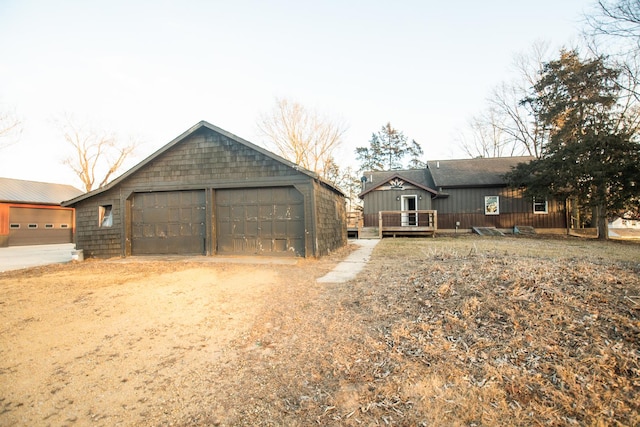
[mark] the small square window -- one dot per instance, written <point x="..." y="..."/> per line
<point x="540" y="205"/>
<point x="105" y="216"/>
<point x="492" y="205"/>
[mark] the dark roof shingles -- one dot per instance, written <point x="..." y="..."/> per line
<point x="473" y="172"/>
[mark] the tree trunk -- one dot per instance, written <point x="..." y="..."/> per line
<point x="602" y="224"/>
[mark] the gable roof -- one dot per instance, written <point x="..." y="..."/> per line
<point x="417" y="177"/>
<point x="21" y="191"/>
<point x="200" y="125"/>
<point x="479" y="172"/>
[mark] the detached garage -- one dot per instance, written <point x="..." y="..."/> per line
<point x="30" y="213"/>
<point x="210" y="192"/>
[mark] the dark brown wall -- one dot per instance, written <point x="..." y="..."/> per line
<point x="466" y="205"/>
<point x="331" y="220"/>
<point x="205" y="160"/>
<point x="103" y="242"/>
<point x="386" y="200"/>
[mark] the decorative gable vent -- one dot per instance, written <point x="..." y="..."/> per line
<point x="396" y="184"/>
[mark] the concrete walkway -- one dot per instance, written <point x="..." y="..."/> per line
<point x="353" y="264"/>
<point x="18" y="257"/>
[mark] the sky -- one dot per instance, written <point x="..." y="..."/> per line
<point x="153" y="69"/>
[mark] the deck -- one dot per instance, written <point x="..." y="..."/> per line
<point x="355" y="223"/>
<point x="407" y="223"/>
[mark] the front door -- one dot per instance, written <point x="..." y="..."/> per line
<point x="409" y="203"/>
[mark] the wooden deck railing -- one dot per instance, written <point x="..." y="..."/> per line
<point x="407" y="222"/>
<point x="355" y="223"/>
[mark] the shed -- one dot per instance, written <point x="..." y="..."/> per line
<point x="31" y="213"/>
<point x="211" y="192"/>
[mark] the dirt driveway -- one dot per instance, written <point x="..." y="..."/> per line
<point x="127" y="343"/>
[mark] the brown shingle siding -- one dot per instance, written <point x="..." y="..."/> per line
<point x="209" y="159"/>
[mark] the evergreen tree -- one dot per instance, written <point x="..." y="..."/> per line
<point x="387" y="149"/>
<point x="593" y="153"/>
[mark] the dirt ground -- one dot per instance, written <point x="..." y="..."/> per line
<point x="456" y="331"/>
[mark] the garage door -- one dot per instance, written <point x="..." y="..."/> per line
<point x="263" y="221"/>
<point x="34" y="226"/>
<point x="171" y="222"/>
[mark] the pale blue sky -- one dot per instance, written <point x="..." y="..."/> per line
<point x="155" y="68"/>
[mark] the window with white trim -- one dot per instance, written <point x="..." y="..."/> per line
<point x="540" y="205"/>
<point x="492" y="205"/>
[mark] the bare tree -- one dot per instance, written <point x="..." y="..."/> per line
<point x="97" y="153"/>
<point x="301" y="135"/>
<point x="10" y="128"/>
<point x="508" y="126"/>
<point x="614" y="29"/>
<point x="485" y="136"/>
<point x="619" y="19"/>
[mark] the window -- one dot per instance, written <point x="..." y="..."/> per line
<point x="14" y="226"/>
<point x="492" y="205"/>
<point x="540" y="205"/>
<point x="33" y="226"/>
<point x="64" y="225"/>
<point x="105" y="216"/>
<point x="48" y="226"/>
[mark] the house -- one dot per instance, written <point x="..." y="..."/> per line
<point x="210" y="192"/>
<point x="463" y="194"/>
<point x="402" y="200"/>
<point x="626" y="226"/>
<point x="31" y="213"/>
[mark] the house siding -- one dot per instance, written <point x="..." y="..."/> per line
<point x="386" y="200"/>
<point x="96" y="241"/>
<point x="205" y="160"/>
<point x="330" y="219"/>
<point x="466" y="206"/>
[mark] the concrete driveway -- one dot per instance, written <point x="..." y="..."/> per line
<point x="18" y="257"/>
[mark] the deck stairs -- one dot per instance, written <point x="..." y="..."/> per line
<point x="369" y="233"/>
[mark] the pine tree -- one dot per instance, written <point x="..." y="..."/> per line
<point x="593" y="153"/>
<point x="387" y="149"/>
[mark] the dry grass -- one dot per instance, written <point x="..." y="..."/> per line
<point x="499" y="331"/>
<point x="465" y="331"/>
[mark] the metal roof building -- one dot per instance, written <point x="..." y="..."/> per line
<point x="31" y="212"/>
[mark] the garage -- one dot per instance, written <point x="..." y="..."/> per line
<point x="209" y="192"/>
<point x="40" y="226"/>
<point x="170" y="222"/>
<point x="260" y="221"/>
